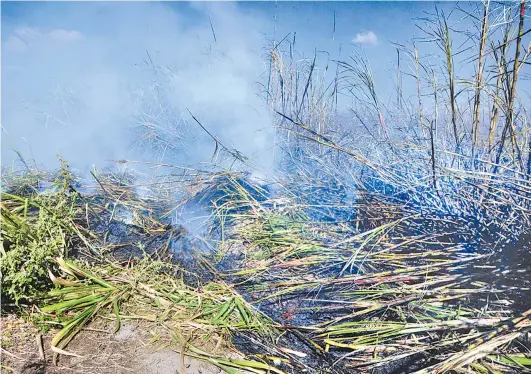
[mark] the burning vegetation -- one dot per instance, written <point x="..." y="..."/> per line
<point x="397" y="241"/>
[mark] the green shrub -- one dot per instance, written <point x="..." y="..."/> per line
<point x="35" y="230"/>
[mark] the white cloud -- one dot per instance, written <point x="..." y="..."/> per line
<point x="27" y="32"/>
<point x="365" y="38"/>
<point x="65" y="35"/>
<point x="24" y="38"/>
<point x="15" y="44"/>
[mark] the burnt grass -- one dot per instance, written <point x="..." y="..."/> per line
<point x="495" y="270"/>
<point x="506" y="266"/>
<point x="128" y="243"/>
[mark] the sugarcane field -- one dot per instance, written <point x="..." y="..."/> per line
<point x="265" y="187"/>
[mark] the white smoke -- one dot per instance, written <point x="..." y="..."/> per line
<point x="86" y="79"/>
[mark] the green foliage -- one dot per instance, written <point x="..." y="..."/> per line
<point x="35" y="230"/>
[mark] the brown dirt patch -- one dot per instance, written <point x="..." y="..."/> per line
<point x="137" y="348"/>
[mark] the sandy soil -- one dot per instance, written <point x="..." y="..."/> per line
<point x="131" y="350"/>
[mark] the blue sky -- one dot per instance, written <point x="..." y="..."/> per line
<point x="75" y="77"/>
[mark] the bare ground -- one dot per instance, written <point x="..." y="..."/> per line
<point x="137" y="348"/>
